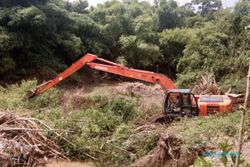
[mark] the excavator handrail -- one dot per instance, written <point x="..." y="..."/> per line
<point x="110" y="67"/>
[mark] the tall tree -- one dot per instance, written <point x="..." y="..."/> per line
<point x="167" y="14"/>
<point x="208" y="6"/>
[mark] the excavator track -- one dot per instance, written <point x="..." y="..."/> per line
<point x="162" y="118"/>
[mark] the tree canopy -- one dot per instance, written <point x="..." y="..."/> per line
<point x="182" y="41"/>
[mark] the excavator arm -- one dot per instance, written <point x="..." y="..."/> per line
<point x="109" y="67"/>
<point x="146" y="76"/>
<point x="69" y="71"/>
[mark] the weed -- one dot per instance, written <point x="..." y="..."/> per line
<point x="225" y="147"/>
<point x="201" y="162"/>
<point x="198" y="131"/>
<point x="13" y="97"/>
<point x="51" y="98"/>
<point x="224" y="154"/>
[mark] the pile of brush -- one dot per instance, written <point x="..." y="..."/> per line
<point x="207" y="85"/>
<point x="23" y="143"/>
<point x="139" y="89"/>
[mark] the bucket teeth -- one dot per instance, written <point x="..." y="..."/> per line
<point x="31" y="94"/>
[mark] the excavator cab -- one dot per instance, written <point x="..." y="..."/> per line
<point x="180" y="102"/>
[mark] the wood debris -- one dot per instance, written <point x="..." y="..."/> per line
<point x="139" y="89"/>
<point x="23" y="143"/>
<point x="207" y="85"/>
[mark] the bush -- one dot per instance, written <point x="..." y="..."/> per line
<point x="103" y="131"/>
<point x="51" y="98"/>
<point x="203" y="129"/>
<point x="14" y="97"/>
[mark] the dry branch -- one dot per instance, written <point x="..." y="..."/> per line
<point x="23" y="143"/>
<point x="206" y="85"/>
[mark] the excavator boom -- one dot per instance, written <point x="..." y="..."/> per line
<point x="106" y="66"/>
<point x="147" y="76"/>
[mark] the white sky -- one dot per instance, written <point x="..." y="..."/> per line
<point x="226" y="3"/>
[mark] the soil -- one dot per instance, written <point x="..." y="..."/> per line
<point x="246" y="152"/>
<point x="167" y="153"/>
<point x="70" y="164"/>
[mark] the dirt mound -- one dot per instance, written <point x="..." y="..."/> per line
<point x="69" y="164"/>
<point x="148" y="95"/>
<point x="168" y="152"/>
<point x="139" y="89"/>
<point x="22" y="142"/>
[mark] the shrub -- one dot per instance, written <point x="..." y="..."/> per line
<point x="14" y="97"/>
<point x="104" y="131"/>
<point x="202" y="129"/>
<point x="51" y="98"/>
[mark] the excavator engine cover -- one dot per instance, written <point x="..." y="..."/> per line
<point x="210" y="104"/>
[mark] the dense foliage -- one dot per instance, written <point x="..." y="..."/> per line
<point x="182" y="41"/>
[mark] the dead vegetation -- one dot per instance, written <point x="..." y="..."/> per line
<point x="207" y="85"/>
<point x="168" y="152"/>
<point x="148" y="95"/>
<point x="23" y="143"/>
<point x="70" y="164"/>
<point x="139" y="89"/>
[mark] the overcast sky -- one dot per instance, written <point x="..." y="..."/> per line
<point x="226" y="3"/>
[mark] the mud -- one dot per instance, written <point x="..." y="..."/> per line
<point x="70" y="164"/>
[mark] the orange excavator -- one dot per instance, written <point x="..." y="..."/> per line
<point x="177" y="102"/>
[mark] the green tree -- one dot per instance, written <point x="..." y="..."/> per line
<point x="138" y="53"/>
<point x="172" y="45"/>
<point x="79" y="6"/>
<point x="208" y="6"/>
<point x="167" y="15"/>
